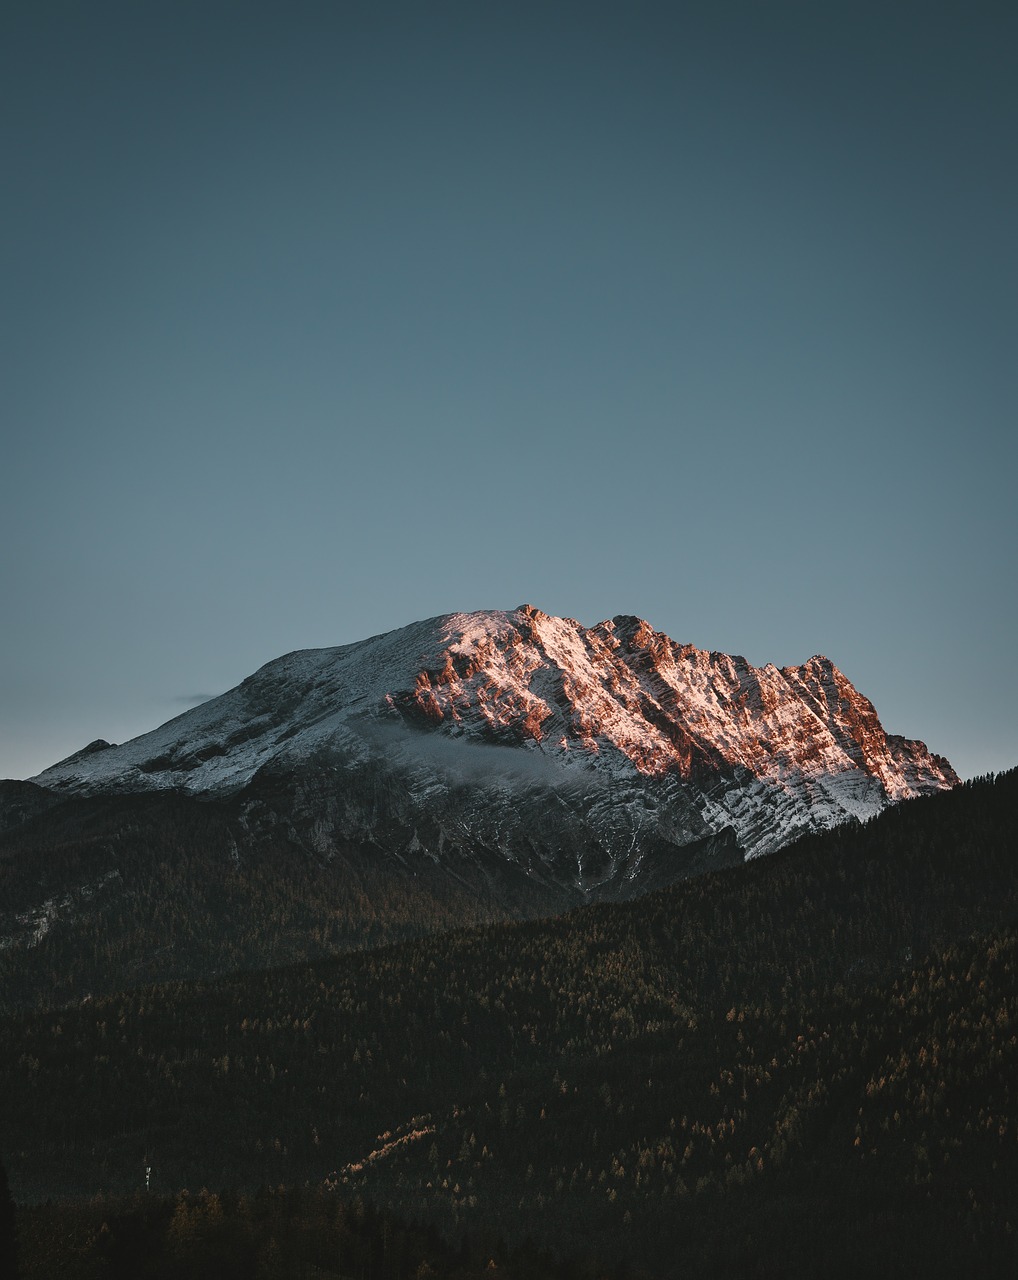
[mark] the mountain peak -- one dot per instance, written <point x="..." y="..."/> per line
<point x="688" y="742"/>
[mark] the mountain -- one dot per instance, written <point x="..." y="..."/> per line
<point x="573" y="752"/>
<point x="467" y="768"/>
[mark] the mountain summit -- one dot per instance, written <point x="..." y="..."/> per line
<point x="599" y="761"/>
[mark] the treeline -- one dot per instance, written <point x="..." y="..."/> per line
<point x="807" y="1064"/>
<point x="275" y="1234"/>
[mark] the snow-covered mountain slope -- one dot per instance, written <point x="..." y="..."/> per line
<point x="601" y="759"/>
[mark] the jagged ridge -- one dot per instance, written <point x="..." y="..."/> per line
<point x="575" y="753"/>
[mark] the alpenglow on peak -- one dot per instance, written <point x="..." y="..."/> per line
<point x="601" y="760"/>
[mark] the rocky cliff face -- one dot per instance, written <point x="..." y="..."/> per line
<point x="596" y="761"/>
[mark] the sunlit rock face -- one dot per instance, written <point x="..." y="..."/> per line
<point x="596" y="761"/>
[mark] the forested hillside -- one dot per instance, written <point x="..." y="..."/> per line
<point x="805" y="1064"/>
<point x="100" y="895"/>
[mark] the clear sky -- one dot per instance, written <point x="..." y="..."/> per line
<point x="318" y="319"/>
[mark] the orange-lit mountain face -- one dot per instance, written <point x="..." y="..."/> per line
<point x="601" y="760"/>
<point x="664" y="707"/>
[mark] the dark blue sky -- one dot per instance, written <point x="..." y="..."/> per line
<point x="322" y="318"/>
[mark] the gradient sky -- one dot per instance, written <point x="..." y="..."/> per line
<point x="318" y="319"/>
